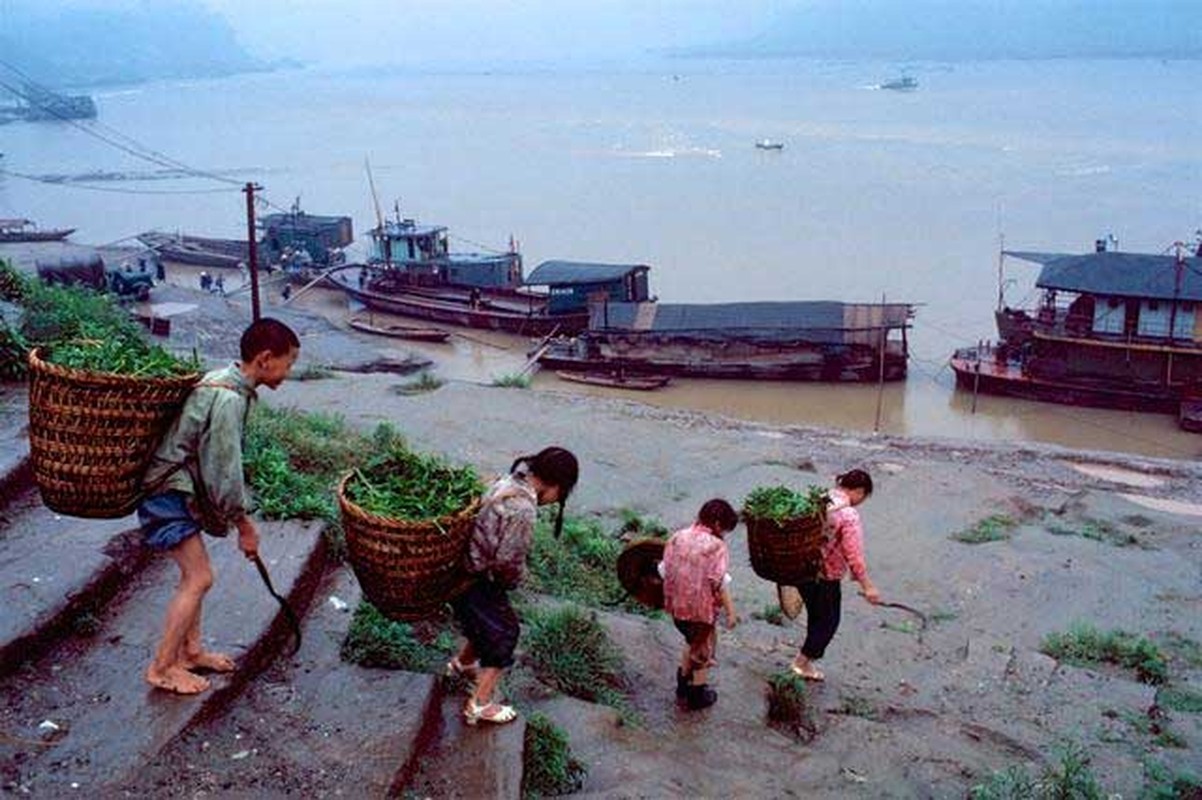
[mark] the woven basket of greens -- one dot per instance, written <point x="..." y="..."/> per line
<point x="786" y="532"/>
<point x="97" y="410"/>
<point x="408" y="517"/>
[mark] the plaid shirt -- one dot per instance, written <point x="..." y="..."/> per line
<point x="504" y="531"/>
<point x="694" y="568"/>
<point x="846" y="546"/>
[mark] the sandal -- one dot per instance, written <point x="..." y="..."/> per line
<point x="811" y="674"/>
<point x="493" y="712"/>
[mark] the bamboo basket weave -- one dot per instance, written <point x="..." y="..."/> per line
<point x="638" y="571"/>
<point x="407" y="569"/>
<point x="92" y="434"/>
<point x="788" y="552"/>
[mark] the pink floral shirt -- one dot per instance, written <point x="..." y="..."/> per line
<point x="845" y="550"/>
<point x="694" y="569"/>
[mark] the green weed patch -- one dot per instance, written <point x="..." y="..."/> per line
<point x="1085" y="645"/>
<point x="548" y="767"/>
<point x="789" y="709"/>
<point x="994" y="528"/>
<point x="569" y="650"/>
<point x="373" y="640"/>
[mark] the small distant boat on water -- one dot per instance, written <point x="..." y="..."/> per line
<point x="906" y="83"/>
<point x="1112" y="330"/>
<point x="24" y="230"/>
<point x="616" y="380"/>
<point x="410" y="332"/>
<point x="768" y="144"/>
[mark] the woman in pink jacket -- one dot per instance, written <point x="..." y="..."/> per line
<point x="844" y="551"/>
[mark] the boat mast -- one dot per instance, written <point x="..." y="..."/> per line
<point x="375" y="199"/>
<point x="1001" y="257"/>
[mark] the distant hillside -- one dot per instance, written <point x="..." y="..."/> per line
<point x="61" y="44"/>
<point x="976" y="29"/>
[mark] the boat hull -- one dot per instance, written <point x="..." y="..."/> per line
<point x="401" y="331"/>
<point x="988" y="376"/>
<point x="637" y="382"/>
<point x="56" y="235"/>
<point x="813" y="366"/>
<point x="460" y="312"/>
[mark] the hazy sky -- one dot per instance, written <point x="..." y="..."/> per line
<point x="352" y="32"/>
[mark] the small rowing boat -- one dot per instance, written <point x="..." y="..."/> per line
<point x="641" y="383"/>
<point x="411" y="332"/>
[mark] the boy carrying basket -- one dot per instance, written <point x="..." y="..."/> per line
<point x="195" y="482"/>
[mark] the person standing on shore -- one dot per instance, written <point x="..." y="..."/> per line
<point x="496" y="557"/>
<point x="696" y="587"/>
<point x="844" y="550"/>
<point x="195" y="482"/>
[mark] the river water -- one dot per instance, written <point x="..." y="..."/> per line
<point x="901" y="195"/>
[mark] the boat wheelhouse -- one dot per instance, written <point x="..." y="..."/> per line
<point x="803" y="341"/>
<point x="421" y="255"/>
<point x="1112" y="329"/>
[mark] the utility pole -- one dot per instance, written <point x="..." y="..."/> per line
<point x="253" y="260"/>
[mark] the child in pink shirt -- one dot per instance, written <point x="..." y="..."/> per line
<point x="695" y="588"/>
<point x="843" y="551"/>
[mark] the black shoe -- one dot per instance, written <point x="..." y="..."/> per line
<point x="682" y="685"/>
<point x="701" y="697"/>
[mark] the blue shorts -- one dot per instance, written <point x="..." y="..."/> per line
<point x="489" y="622"/>
<point x="165" y="520"/>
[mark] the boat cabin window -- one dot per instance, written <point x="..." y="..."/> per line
<point x="1109" y="317"/>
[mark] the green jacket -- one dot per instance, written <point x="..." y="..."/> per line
<point x="207" y="437"/>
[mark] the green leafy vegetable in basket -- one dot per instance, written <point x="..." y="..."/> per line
<point x="780" y="503"/>
<point x="131" y="356"/>
<point x="412" y="486"/>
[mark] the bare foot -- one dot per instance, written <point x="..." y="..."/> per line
<point x="176" y="679"/>
<point x="213" y="662"/>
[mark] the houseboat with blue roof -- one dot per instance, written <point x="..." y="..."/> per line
<point x="799" y="341"/>
<point x="1111" y="329"/>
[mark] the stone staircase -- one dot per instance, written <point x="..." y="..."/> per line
<point x="83" y="605"/>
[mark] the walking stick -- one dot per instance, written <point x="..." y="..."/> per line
<point x="293" y="620"/>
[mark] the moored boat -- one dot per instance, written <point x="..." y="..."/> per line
<point x="25" y="230"/>
<point x="411" y="271"/>
<point x="1112" y="329"/>
<point x="411" y="332"/>
<point x="905" y="83"/>
<point x="616" y="380"/>
<point x="798" y="341"/>
<point x="201" y="251"/>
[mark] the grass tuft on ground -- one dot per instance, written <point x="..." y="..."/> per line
<point x="581" y="565"/>
<point x="374" y="640"/>
<point x="789" y="709"/>
<point x="993" y="528"/>
<point x="548" y="767"/>
<point x="512" y="381"/>
<point x="1085" y="645"/>
<point x="1070" y="778"/>
<point x="568" y="649"/>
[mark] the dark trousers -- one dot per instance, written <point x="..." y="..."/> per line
<point x="824" y="601"/>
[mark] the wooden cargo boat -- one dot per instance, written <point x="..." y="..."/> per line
<point x="1112" y="329"/>
<point x="411" y="271"/>
<point x="200" y="251"/>
<point x="799" y="341"/>
<point x="25" y="230"/>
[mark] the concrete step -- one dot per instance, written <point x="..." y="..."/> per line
<point x="14" y="440"/>
<point x="309" y="726"/>
<point x="461" y="761"/>
<point x="106" y="724"/>
<point x="55" y="571"/>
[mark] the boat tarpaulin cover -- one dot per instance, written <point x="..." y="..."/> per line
<point x="815" y="321"/>
<point x="1117" y="274"/>
<point x="565" y="273"/>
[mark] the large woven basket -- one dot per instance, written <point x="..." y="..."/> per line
<point x="92" y="434"/>
<point x="638" y="571"/>
<point x="788" y="552"/>
<point x="407" y="570"/>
